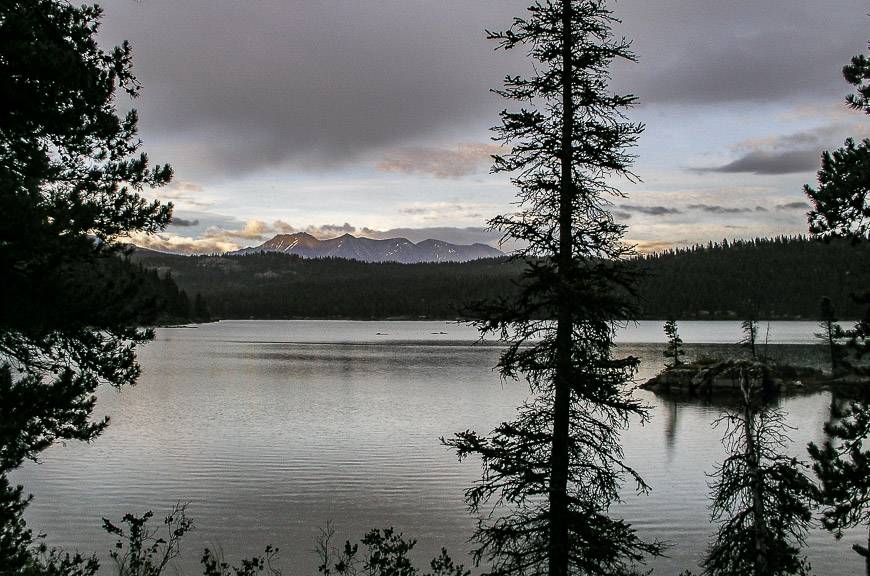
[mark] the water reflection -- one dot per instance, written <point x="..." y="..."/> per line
<point x="270" y="438"/>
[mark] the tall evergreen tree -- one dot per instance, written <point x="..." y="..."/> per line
<point x="841" y="209"/>
<point x="70" y="176"/>
<point x="675" y="343"/>
<point x="842" y="464"/>
<point x="552" y="473"/>
<point x="840" y="204"/>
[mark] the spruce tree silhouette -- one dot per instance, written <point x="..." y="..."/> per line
<point x="70" y="174"/>
<point x="841" y="209"/>
<point x="550" y="476"/>
<point x="675" y="344"/>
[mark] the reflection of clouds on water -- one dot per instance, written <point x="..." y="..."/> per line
<point x="272" y="428"/>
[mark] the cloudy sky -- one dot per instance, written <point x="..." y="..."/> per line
<point x="372" y="117"/>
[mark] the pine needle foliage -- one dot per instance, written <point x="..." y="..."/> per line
<point x="71" y="174"/>
<point x="840" y="203"/>
<point x="841" y="209"/>
<point x="675" y="344"/>
<point x="551" y="474"/>
<point x="842" y="464"/>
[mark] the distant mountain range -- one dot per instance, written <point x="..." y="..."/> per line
<point x="369" y="250"/>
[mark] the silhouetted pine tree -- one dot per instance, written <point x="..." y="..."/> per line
<point x="842" y="464"/>
<point x="70" y="176"/>
<point x="840" y="209"/>
<point x="552" y="473"/>
<point x="840" y="203"/>
<point x="675" y="343"/>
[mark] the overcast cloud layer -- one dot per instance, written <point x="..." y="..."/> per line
<point x="256" y="83"/>
<point x="401" y="88"/>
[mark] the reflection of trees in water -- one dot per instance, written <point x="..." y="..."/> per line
<point x="672" y="419"/>
<point x="762" y="499"/>
<point x="842" y="464"/>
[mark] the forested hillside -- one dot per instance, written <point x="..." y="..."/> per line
<point x="156" y="294"/>
<point x="767" y="278"/>
<point x="275" y="285"/>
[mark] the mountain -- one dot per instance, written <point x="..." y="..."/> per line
<point x="350" y="247"/>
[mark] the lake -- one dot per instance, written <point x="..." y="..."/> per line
<point x="269" y="429"/>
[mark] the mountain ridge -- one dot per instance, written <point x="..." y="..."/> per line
<point x="365" y="249"/>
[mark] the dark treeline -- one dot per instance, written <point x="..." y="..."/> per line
<point x="765" y="278"/>
<point x="274" y="285"/>
<point x="762" y="278"/>
<point x="109" y="287"/>
<point x="159" y="290"/>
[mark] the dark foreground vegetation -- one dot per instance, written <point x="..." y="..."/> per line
<point x="776" y="278"/>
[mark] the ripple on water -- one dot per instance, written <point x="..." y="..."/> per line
<point x="269" y="435"/>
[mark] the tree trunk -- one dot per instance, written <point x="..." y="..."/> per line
<point x="559" y="460"/>
<point x="753" y="460"/>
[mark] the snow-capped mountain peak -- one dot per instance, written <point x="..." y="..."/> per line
<point x="371" y="250"/>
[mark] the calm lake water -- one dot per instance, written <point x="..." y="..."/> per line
<point x="272" y="428"/>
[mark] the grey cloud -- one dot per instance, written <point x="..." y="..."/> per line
<point x="258" y="84"/>
<point x="786" y="154"/>
<point x="322" y="231"/>
<point x="430" y="209"/>
<point x="771" y="163"/>
<point x="180" y="191"/>
<point x="460" y="161"/>
<point x="183" y="223"/>
<point x="621" y="215"/>
<point x="760" y="209"/>
<point x="650" y="210"/>
<point x="793" y="206"/>
<point x="231" y="87"/>
<point x="707" y="51"/>
<point x="434" y="211"/>
<point x="338" y="229"/>
<point x="715" y="209"/>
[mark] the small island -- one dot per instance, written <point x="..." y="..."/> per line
<point x="707" y="376"/>
<point x="713" y="376"/>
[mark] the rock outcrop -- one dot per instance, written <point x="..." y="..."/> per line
<point x="725" y="378"/>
